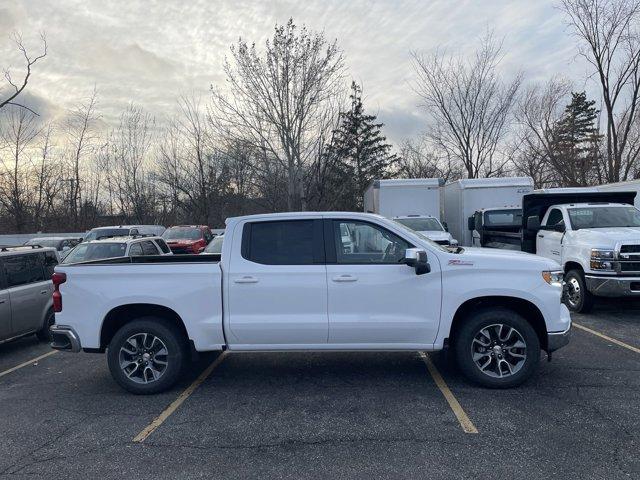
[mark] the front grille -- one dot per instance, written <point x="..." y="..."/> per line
<point x="630" y="266"/>
<point x="630" y="249"/>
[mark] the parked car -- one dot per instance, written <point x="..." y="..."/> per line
<point x="26" y="306"/>
<point x="285" y="282"/>
<point x="62" y="244"/>
<point x="594" y="236"/>
<point x="112" y="247"/>
<point x="215" y="245"/>
<point x="428" y="226"/>
<point x="123" y="230"/>
<point x="187" y="238"/>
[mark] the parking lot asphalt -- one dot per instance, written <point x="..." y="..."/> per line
<point x="330" y="415"/>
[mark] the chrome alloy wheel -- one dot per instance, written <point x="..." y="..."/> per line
<point x="573" y="292"/>
<point x="143" y="358"/>
<point x="499" y="350"/>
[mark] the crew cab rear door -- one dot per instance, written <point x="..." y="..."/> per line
<point x="375" y="300"/>
<point x="277" y="285"/>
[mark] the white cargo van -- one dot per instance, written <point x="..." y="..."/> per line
<point x="462" y="198"/>
<point x="403" y="197"/>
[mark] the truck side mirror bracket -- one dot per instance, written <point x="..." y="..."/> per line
<point x="417" y="258"/>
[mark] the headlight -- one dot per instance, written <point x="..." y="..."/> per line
<point x="601" y="259"/>
<point x="555" y="278"/>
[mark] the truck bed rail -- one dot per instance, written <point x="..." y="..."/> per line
<point x="146" y="259"/>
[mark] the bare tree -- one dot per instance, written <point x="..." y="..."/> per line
<point x="81" y="137"/>
<point x="277" y="97"/>
<point x="17" y="87"/>
<point x="18" y="135"/>
<point x="419" y="160"/>
<point x="469" y="105"/>
<point x="539" y="109"/>
<point x="609" y="31"/>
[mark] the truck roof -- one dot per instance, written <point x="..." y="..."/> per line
<point x="415" y="182"/>
<point x="285" y="215"/>
<point x="493" y="182"/>
<point x="591" y="205"/>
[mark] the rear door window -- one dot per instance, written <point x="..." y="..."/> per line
<point x="163" y="246"/>
<point x="283" y="242"/>
<point x="50" y="262"/>
<point x="148" y="248"/>
<point x="23" y="269"/>
<point x="135" y="250"/>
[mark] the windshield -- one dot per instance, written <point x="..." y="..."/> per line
<point x="182" y="233"/>
<point x="503" y="218"/>
<point x="422" y="237"/>
<point x="215" y="246"/>
<point x="603" y="217"/>
<point x="44" y="242"/>
<point x="421" y="224"/>
<point x="106" y="232"/>
<point x="95" y="251"/>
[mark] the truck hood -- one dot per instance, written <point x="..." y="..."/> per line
<point x="607" y="236"/>
<point x="436" y="235"/>
<point x="514" y="258"/>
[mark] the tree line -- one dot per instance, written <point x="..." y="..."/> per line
<point x="286" y="133"/>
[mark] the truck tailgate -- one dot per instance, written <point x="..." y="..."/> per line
<point x="192" y="290"/>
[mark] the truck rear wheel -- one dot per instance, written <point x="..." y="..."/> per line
<point x="576" y="296"/>
<point x="497" y="348"/>
<point x="147" y="355"/>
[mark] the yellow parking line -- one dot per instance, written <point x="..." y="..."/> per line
<point x="607" y="338"/>
<point x="28" y="362"/>
<point x="465" y="422"/>
<point x="149" y="429"/>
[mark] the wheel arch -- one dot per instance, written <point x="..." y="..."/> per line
<point x="119" y="316"/>
<point x="526" y="309"/>
<point x="572" y="265"/>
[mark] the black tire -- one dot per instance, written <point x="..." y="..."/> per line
<point x="576" y="296"/>
<point x="43" y="334"/>
<point x="176" y="358"/>
<point x="487" y="320"/>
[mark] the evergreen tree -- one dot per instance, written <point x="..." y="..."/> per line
<point x="575" y="141"/>
<point x="361" y="153"/>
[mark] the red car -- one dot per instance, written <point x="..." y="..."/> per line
<point x="187" y="238"/>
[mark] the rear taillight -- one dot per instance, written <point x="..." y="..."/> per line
<point x="58" y="279"/>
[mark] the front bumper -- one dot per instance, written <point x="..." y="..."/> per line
<point x="613" y="286"/>
<point x="64" y="338"/>
<point x="557" y="340"/>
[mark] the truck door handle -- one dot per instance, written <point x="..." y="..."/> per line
<point x="2" y="301"/>
<point x="246" y="279"/>
<point x="44" y="292"/>
<point x="540" y="236"/>
<point x="345" y="278"/>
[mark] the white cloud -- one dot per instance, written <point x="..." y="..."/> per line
<point x="151" y="52"/>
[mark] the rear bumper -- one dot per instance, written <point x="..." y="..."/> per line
<point x="613" y="286"/>
<point x="557" y="340"/>
<point x="64" y="338"/>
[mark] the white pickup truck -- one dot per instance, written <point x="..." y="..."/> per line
<point x="595" y="237"/>
<point x="294" y="282"/>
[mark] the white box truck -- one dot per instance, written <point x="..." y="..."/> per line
<point x="463" y="198"/>
<point x="404" y="196"/>
<point x="629" y="186"/>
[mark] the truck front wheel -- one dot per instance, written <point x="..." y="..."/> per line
<point x="576" y="296"/>
<point x="147" y="355"/>
<point x="497" y="348"/>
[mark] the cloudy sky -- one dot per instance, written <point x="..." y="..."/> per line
<point x="151" y="52"/>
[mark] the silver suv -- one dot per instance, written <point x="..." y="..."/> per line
<point x="25" y="291"/>
<point x="114" y="247"/>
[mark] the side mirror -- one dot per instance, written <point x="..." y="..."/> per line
<point x="417" y="258"/>
<point x="471" y="223"/>
<point x="533" y="223"/>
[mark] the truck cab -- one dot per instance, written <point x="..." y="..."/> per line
<point x="597" y="243"/>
